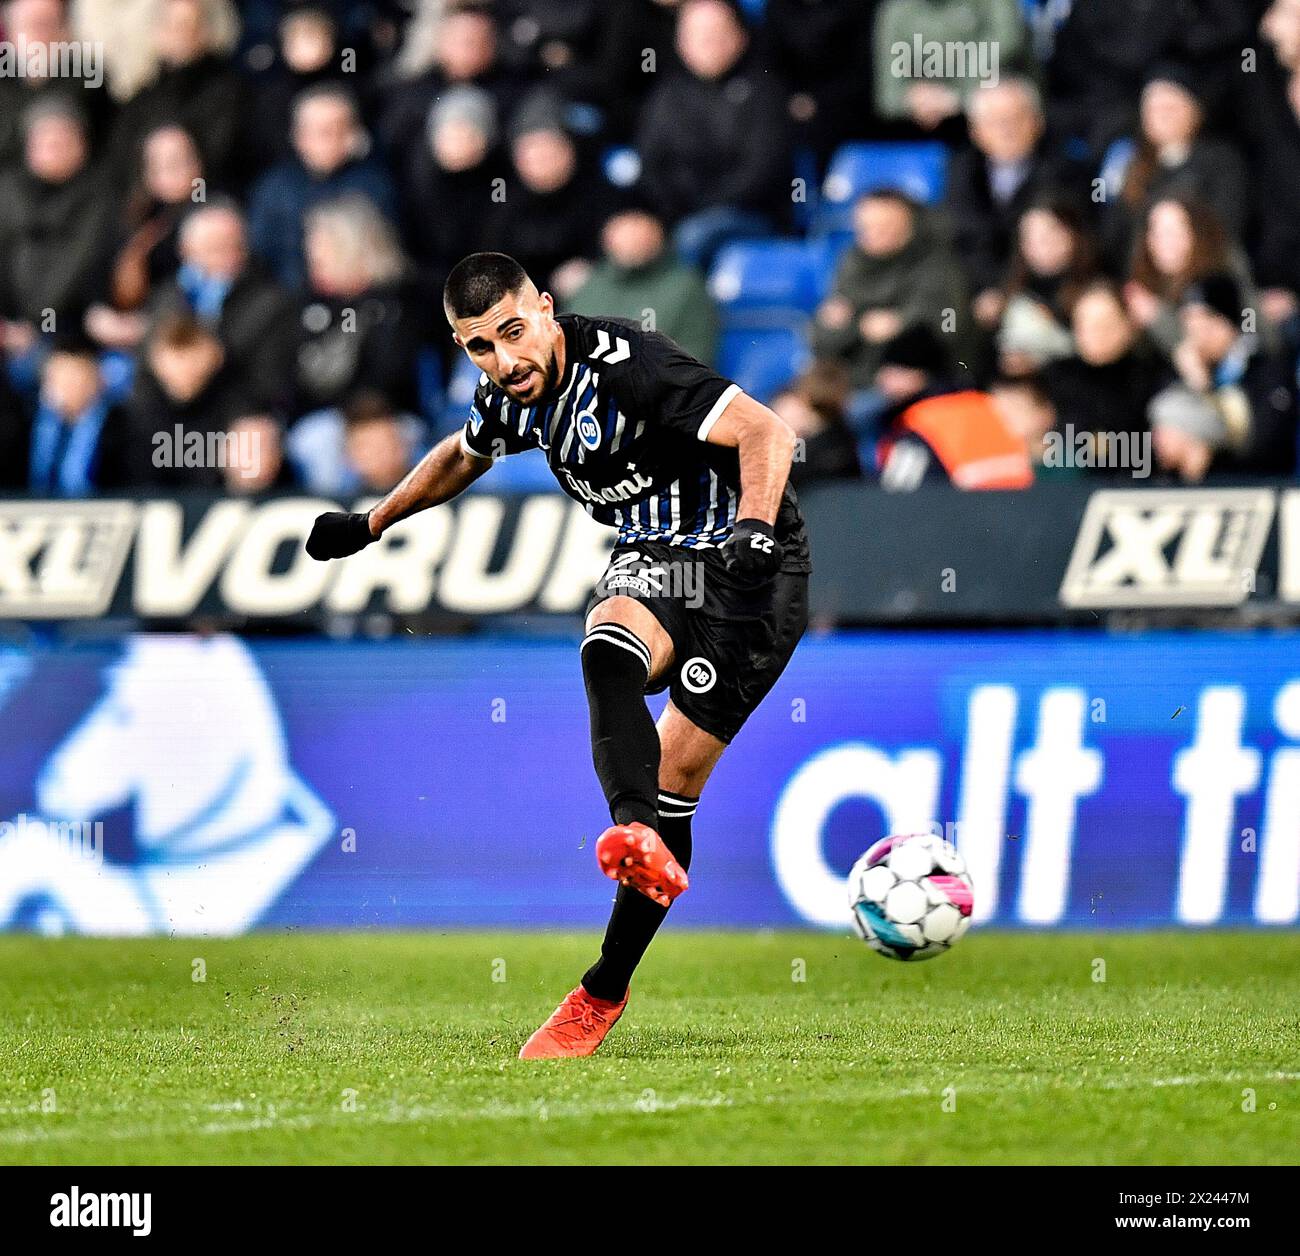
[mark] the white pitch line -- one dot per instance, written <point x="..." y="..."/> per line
<point x="568" y="1110"/>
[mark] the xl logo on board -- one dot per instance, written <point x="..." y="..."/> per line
<point x="1168" y="547"/>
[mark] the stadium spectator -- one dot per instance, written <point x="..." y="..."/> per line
<point x="639" y="276"/>
<point x="359" y="324"/>
<point x="1172" y="157"/>
<point x="1009" y="166"/>
<point x="898" y="272"/>
<point x="1268" y="108"/>
<point x="814" y="405"/>
<point x="251" y="314"/>
<point x="330" y="159"/>
<point x="255" y="461"/>
<point x="464" y="48"/>
<point x="185" y="393"/>
<point x="1188" y="434"/>
<point x="936" y="431"/>
<point x="196" y="86"/>
<point x="450" y="181"/>
<point x="1026" y="408"/>
<point x="1249" y="387"/>
<point x="1055" y="257"/>
<point x="378" y="444"/>
<point x="570" y="44"/>
<point x="78" y="441"/>
<point x="308" y="56"/>
<point x="39" y="28"/>
<point x="361" y="446"/>
<point x="714" y="140"/>
<point x="124" y="29"/>
<point x="822" y="51"/>
<point x="171" y="176"/>
<point x="54" y="224"/>
<point x="914" y="92"/>
<point x="1102" y="51"/>
<point x="1107" y="385"/>
<point x="1181" y="241"/>
<point x="550" y="217"/>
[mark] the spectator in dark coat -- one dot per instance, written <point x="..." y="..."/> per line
<point x="450" y="182"/>
<point x="1104" y="48"/>
<point x="308" y="56"/>
<point x="822" y="51"/>
<point x="990" y="185"/>
<point x="814" y="406"/>
<point x="171" y="175"/>
<point x="196" y="86"/>
<point x="714" y="139"/>
<point x="1174" y="158"/>
<point x="466" y="54"/>
<point x="220" y="285"/>
<point x="185" y="394"/>
<point x="1108" y="384"/>
<point x="39" y="28"/>
<point x="553" y="209"/>
<point x="54" y="223"/>
<point x="329" y="160"/>
<point x="1268" y="112"/>
<point x="362" y="322"/>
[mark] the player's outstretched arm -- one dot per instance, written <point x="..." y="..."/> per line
<point x="765" y="444"/>
<point x="446" y="470"/>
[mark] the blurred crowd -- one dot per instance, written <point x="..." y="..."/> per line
<point x="243" y="226"/>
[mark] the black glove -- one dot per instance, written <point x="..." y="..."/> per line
<point x="753" y="553"/>
<point x="336" y="535"/>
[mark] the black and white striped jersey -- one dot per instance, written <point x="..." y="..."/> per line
<point x="625" y="434"/>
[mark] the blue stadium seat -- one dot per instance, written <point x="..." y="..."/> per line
<point x="763" y="360"/>
<point x="763" y="281"/>
<point x="918" y="169"/>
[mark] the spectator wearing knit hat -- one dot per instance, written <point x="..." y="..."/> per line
<point x="555" y="202"/>
<point x="449" y="181"/>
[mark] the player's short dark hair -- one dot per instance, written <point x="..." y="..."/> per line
<point x="478" y="282"/>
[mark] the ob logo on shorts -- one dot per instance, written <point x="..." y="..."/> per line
<point x="699" y="675"/>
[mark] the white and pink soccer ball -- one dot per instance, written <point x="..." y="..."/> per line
<point x="910" y="896"/>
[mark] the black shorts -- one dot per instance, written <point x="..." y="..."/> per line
<point x="730" y="641"/>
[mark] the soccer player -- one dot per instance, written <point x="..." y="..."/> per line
<point x="705" y="594"/>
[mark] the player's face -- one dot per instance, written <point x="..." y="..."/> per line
<point x="514" y="343"/>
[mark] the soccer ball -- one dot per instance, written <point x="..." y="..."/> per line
<point x="910" y="896"/>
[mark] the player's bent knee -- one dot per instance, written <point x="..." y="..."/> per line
<point x="628" y="614"/>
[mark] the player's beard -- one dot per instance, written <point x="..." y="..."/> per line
<point x="548" y="374"/>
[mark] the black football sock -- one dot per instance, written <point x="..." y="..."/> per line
<point x="624" y="741"/>
<point x="636" y="918"/>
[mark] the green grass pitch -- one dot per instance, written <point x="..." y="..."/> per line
<point x="347" y="1048"/>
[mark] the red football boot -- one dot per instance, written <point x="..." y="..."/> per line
<point x="634" y="854"/>
<point x="576" y="1028"/>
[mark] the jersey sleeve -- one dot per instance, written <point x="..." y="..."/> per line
<point x="675" y="390"/>
<point x="486" y="433"/>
